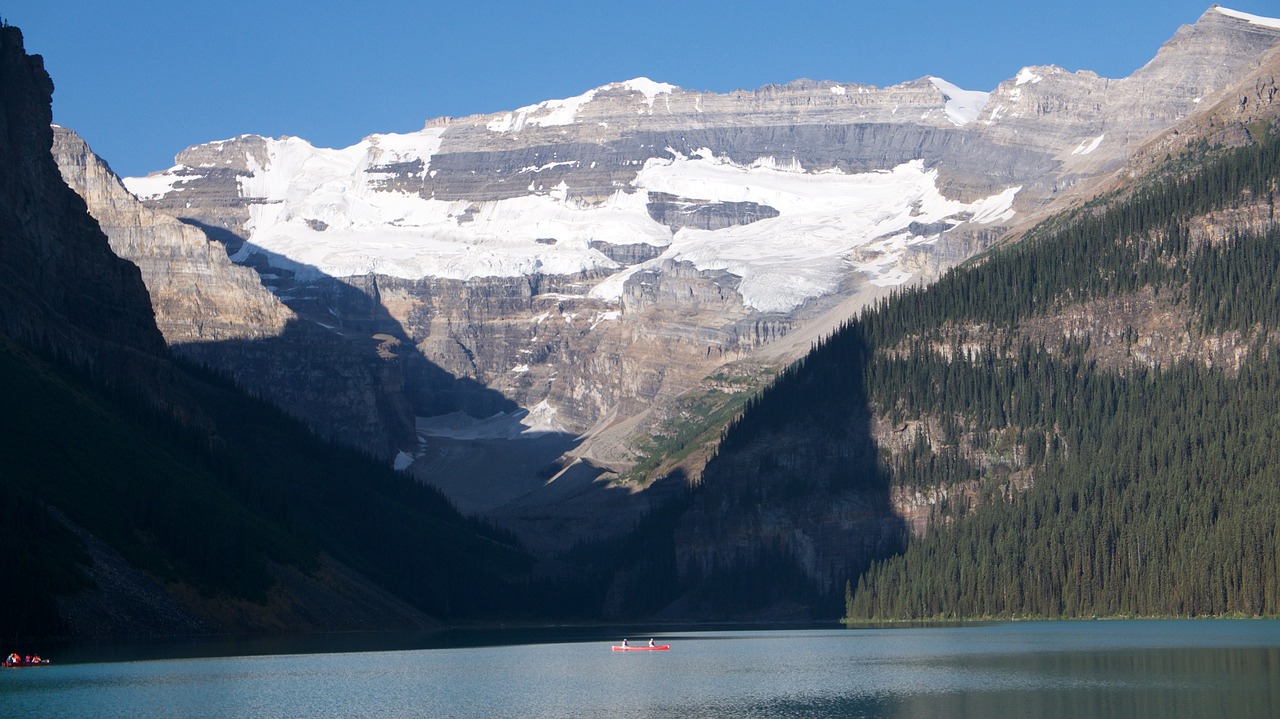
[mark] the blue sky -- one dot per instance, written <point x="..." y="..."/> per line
<point x="141" y="80"/>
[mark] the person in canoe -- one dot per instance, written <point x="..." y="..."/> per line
<point x="17" y="660"/>
<point x="651" y="642"/>
<point x="624" y="642"/>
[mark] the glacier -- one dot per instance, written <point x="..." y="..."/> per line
<point x="319" y="211"/>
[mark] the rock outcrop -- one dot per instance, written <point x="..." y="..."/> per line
<point x="197" y="294"/>
<point x="63" y="289"/>
<point x="348" y="386"/>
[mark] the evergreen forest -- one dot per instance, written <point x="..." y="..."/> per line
<point x="1147" y="489"/>
<point x="1079" y="475"/>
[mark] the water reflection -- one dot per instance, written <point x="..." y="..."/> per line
<point x="1144" y="683"/>
<point x="1059" y="669"/>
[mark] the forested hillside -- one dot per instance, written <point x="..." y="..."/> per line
<point x="1081" y="424"/>
<point x="1148" y="488"/>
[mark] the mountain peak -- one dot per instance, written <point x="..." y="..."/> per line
<point x="646" y="87"/>
<point x="550" y="113"/>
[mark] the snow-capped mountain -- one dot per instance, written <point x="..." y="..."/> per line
<point x="320" y="212"/>
<point x="595" y="255"/>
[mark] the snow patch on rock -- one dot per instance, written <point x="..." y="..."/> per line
<point x="1088" y="146"/>
<point x="553" y="113"/>
<point x="1255" y="19"/>
<point x="158" y="184"/>
<point x="823" y="217"/>
<point x="523" y="423"/>
<point x="1025" y="75"/>
<point x="962" y="106"/>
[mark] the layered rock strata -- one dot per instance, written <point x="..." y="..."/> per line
<point x="221" y="315"/>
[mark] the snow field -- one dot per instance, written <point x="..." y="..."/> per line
<point x="325" y="211"/>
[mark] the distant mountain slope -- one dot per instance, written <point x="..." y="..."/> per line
<point x="141" y="495"/>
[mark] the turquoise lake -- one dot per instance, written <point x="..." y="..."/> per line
<point x="1208" y="668"/>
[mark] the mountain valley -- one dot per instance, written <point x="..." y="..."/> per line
<point x="912" y="352"/>
<point x="585" y="267"/>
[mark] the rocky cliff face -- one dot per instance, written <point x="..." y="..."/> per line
<point x="63" y="290"/>
<point x="109" y="445"/>
<point x="197" y="294"/>
<point x="349" y="386"/>
<point x="1093" y="123"/>
<point x="592" y="257"/>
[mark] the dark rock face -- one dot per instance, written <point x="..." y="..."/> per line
<point x="676" y="212"/>
<point x="627" y="255"/>
<point x="63" y="288"/>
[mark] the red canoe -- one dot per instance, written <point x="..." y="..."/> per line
<point x="643" y="648"/>
<point x="23" y="663"/>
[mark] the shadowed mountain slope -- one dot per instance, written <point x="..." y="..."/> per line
<point x="145" y="496"/>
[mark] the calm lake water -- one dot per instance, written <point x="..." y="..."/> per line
<point x="1222" y="668"/>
